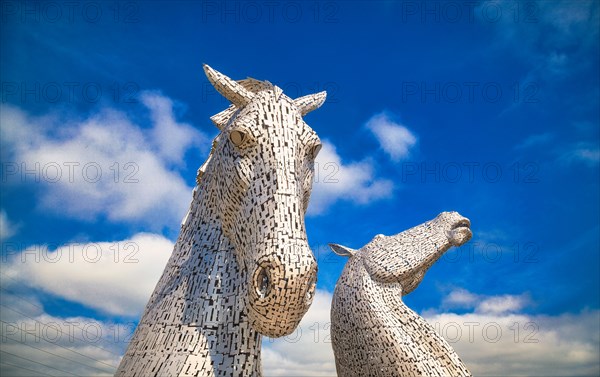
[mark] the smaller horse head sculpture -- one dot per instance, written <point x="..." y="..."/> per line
<point x="373" y="332"/>
<point x="406" y="257"/>
<point x="262" y="164"/>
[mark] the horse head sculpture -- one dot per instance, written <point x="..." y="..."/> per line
<point x="241" y="267"/>
<point x="373" y="332"/>
<point x="263" y="163"/>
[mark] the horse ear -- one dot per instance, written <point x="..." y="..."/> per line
<point x="311" y="102"/>
<point x="342" y="251"/>
<point x="220" y="120"/>
<point x="233" y="91"/>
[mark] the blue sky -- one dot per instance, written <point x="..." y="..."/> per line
<point x="487" y="108"/>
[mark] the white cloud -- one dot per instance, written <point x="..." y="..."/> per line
<point x="513" y="344"/>
<point x="307" y="351"/>
<point x="496" y="339"/>
<point x="463" y="299"/>
<point x="335" y="180"/>
<point x="395" y="139"/>
<point x="501" y="304"/>
<point x="7" y="228"/>
<point x="495" y="342"/>
<point x="44" y="343"/>
<point x="171" y="138"/>
<point x="104" y="165"/>
<point x="460" y="298"/>
<point x="113" y="277"/>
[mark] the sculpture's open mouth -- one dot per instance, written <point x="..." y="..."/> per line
<point x="464" y="223"/>
<point x="460" y="232"/>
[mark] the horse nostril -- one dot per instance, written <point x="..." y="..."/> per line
<point x="462" y="223"/>
<point x="263" y="282"/>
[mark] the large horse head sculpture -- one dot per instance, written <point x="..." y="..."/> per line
<point x="241" y="266"/>
<point x="263" y="162"/>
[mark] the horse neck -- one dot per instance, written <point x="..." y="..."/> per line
<point x="430" y="349"/>
<point x="216" y="305"/>
<point x="202" y="291"/>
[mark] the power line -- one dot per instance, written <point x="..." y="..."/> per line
<point x="33" y="361"/>
<point x="39" y="307"/>
<point x="62" y="357"/>
<point x="58" y="329"/>
<point x="16" y="311"/>
<point x="27" y="369"/>
<point x="53" y="354"/>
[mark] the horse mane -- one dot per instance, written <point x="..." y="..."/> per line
<point x="222" y="118"/>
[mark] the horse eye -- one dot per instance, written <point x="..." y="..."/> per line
<point x="237" y="137"/>
<point x="263" y="283"/>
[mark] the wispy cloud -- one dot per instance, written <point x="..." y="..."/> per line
<point x="460" y="298"/>
<point x="556" y="36"/>
<point x="586" y="153"/>
<point x="498" y="304"/>
<point x="495" y="339"/>
<point x="307" y="351"/>
<point x="535" y="140"/>
<point x="395" y="139"/>
<point x="112" y="277"/>
<point x="335" y="180"/>
<point x="43" y="343"/>
<point x="104" y="164"/>
<point x="555" y="41"/>
<point x="170" y="137"/>
<point x="579" y="152"/>
<point x="7" y="227"/>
